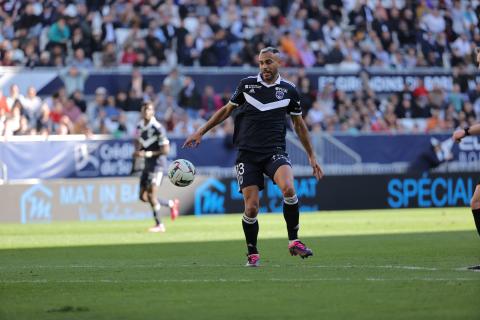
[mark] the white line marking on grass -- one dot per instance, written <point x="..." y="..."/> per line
<point x="160" y="265"/>
<point x="73" y="281"/>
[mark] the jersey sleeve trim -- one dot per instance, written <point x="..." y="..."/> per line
<point x="163" y="142"/>
<point x="296" y="113"/>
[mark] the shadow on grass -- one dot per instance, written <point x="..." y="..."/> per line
<point x="449" y="248"/>
<point x="394" y="276"/>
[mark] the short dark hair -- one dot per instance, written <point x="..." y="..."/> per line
<point x="145" y="104"/>
<point x="270" y="49"/>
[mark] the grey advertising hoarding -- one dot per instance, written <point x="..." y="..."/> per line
<point x="117" y="198"/>
<point x="85" y="200"/>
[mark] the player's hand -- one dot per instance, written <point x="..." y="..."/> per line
<point x="317" y="170"/>
<point x="192" y="140"/>
<point x="139" y="154"/>
<point x="458" y="135"/>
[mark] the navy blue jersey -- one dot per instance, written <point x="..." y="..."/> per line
<point x="151" y="136"/>
<point x="260" y="122"/>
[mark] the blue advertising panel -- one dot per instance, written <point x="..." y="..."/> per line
<point x="218" y="196"/>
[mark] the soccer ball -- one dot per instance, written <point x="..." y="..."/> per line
<point x="181" y="172"/>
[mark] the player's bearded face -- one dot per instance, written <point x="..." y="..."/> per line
<point x="268" y="64"/>
<point x="148" y="113"/>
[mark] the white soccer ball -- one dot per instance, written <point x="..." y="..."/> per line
<point x="181" y="172"/>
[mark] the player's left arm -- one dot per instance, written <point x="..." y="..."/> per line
<point x="302" y="132"/>
<point x="474" y="130"/>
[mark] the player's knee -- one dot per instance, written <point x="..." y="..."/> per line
<point x="475" y="203"/>
<point x="251" y="210"/>
<point x="143" y="197"/>
<point x="288" y="191"/>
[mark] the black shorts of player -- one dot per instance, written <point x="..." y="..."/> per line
<point x="152" y="173"/>
<point x="250" y="167"/>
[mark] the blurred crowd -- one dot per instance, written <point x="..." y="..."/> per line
<point x="182" y="107"/>
<point x="349" y="33"/>
<point x="76" y="36"/>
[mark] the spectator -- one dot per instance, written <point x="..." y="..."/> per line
<point x="129" y="56"/>
<point x="3" y="103"/>
<point x="74" y="79"/>
<point x="12" y="122"/>
<point x="109" y="55"/>
<point x="80" y="61"/>
<point x="174" y="82"/>
<point x="433" y="21"/>
<point x="44" y="125"/>
<point x="96" y="106"/>
<point x="71" y="111"/>
<point x="31" y="105"/>
<point x="211" y="102"/>
<point x="189" y="98"/>
<point x="137" y="84"/>
<point x="59" y="34"/>
<point x="14" y="96"/>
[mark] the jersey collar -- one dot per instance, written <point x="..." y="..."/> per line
<point x="259" y="79"/>
<point x="149" y="124"/>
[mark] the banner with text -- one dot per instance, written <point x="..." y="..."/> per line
<point x="117" y="198"/>
<point x="107" y="158"/>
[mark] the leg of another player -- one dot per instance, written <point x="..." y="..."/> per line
<point x="284" y="179"/>
<point x="249" y="219"/>
<point x="173" y="204"/>
<point x="152" y="199"/>
<point x="475" y="205"/>
<point x="143" y="194"/>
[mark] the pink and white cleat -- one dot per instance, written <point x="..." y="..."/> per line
<point x="298" y="248"/>
<point x="253" y="260"/>
<point x="159" y="228"/>
<point x="174" y="210"/>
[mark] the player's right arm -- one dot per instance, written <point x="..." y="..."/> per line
<point x="218" y="117"/>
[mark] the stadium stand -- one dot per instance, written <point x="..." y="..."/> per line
<point x="80" y="36"/>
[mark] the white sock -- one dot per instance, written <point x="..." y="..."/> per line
<point x="292" y="241"/>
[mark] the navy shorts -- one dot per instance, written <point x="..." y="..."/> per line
<point x="251" y="168"/>
<point x="152" y="173"/>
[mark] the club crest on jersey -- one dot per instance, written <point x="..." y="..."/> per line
<point x="279" y="95"/>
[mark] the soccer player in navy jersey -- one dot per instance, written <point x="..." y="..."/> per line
<point x="262" y="103"/>
<point x="457" y="136"/>
<point x="152" y="144"/>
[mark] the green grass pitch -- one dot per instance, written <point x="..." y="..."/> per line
<point x="390" y="264"/>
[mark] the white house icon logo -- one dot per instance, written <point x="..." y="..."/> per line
<point x="35" y="204"/>
<point x="210" y="197"/>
